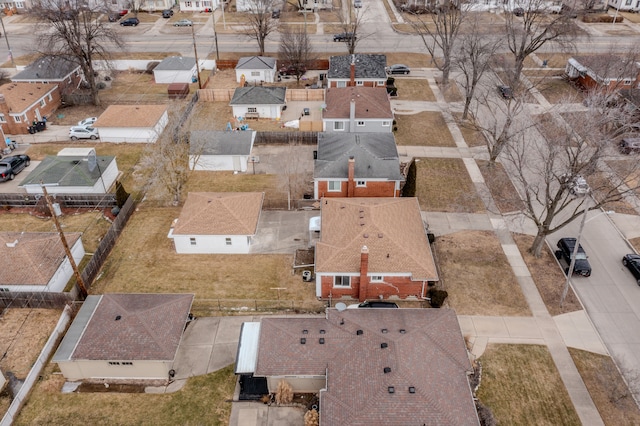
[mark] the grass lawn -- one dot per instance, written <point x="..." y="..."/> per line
<point x="426" y="128"/>
<point x="145" y="261"/>
<point x="557" y="90"/>
<point x="414" y="90"/>
<point x="521" y="385"/>
<point x="471" y="135"/>
<point x="203" y="397"/>
<point x="607" y="388"/>
<point x="475" y="272"/>
<point x="502" y="190"/>
<point x="548" y="277"/>
<point x="443" y="185"/>
<point x="203" y="181"/>
<point x="412" y="60"/>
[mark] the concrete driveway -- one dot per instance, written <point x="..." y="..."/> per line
<point x="282" y="231"/>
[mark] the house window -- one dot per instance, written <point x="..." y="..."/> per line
<point x="187" y="4"/>
<point x="17" y="119"/>
<point x="20" y="4"/>
<point x="342" y="281"/>
<point x="255" y="73"/>
<point x="386" y="123"/>
<point x="628" y="3"/>
<point x="606" y="82"/>
<point x="49" y="98"/>
<point x="227" y="241"/>
<point x="361" y="183"/>
<point x="359" y="83"/>
<point x="627" y="82"/>
<point x="206" y="3"/>
<point x="252" y="109"/>
<point x="338" y="125"/>
<point x="342" y="84"/>
<point x="360" y="124"/>
<point x="335" y="186"/>
<point x="3" y="289"/>
<point x="42" y="103"/>
<point x="382" y="83"/>
<point x="2" y="119"/>
<point x="192" y="240"/>
<point x="376" y="278"/>
<point x="114" y="363"/>
<point x="127" y="363"/>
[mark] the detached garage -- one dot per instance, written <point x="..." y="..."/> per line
<point x="132" y="123"/>
<point x="220" y="151"/>
<point x="175" y="69"/>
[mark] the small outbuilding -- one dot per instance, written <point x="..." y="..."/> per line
<point x="220" y="151"/>
<point x="217" y="222"/>
<point x="124" y="337"/>
<point x="175" y="69"/>
<point x="258" y="102"/>
<point x="256" y="69"/>
<point x="132" y="123"/>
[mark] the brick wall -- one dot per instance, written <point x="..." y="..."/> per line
<point x="373" y="189"/>
<point x="401" y="287"/>
<point x="12" y="128"/>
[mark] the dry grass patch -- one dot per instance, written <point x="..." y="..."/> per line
<point x="602" y="186"/>
<point x="412" y="60"/>
<point x="548" y="277"/>
<point x="427" y="128"/>
<point x="443" y="185"/>
<point x="521" y="385"/>
<point x="502" y="190"/>
<point x="635" y="242"/>
<point x="451" y="92"/>
<point x="159" y="269"/>
<point x="414" y="90"/>
<point x="216" y="115"/>
<point x="139" y="86"/>
<point x="607" y="388"/>
<point x="472" y="136"/>
<point x="203" y="397"/>
<point x="557" y="90"/>
<point x="631" y="17"/>
<point x="476" y="274"/>
<point x="205" y="181"/>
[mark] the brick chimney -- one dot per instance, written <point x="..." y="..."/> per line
<point x="352" y="76"/>
<point x="364" y="270"/>
<point x="352" y="171"/>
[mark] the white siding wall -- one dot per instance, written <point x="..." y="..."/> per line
<point x="265" y="111"/>
<point x="210" y="244"/>
<point x="265" y="75"/>
<point x="170" y="76"/>
<point x="88" y="369"/>
<point x="127" y="134"/>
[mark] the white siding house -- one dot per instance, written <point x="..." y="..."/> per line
<point x="217" y="222"/>
<point x="132" y="123"/>
<point x="220" y="151"/>
<point x="256" y="69"/>
<point x="175" y="69"/>
<point x="258" y="102"/>
<point x="198" y="6"/>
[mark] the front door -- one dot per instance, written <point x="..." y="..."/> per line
<point x="38" y="116"/>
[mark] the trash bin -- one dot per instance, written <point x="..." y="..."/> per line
<point x="31" y="130"/>
<point x="306" y="276"/>
<point x="41" y="126"/>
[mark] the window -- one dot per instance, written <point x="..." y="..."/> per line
<point x="187" y="3"/>
<point x="382" y="83"/>
<point x="4" y="289"/>
<point x="227" y="241"/>
<point x="20" y="4"/>
<point x="342" y="84"/>
<point x="627" y="82"/>
<point x="252" y="109"/>
<point x="376" y="278"/>
<point x="338" y="125"/>
<point x="360" y="124"/>
<point x="627" y="3"/>
<point x="255" y="73"/>
<point x="114" y="363"/>
<point x="42" y="103"/>
<point x="2" y="119"/>
<point x="17" y="119"/>
<point x="386" y="123"/>
<point x="127" y="363"/>
<point x="335" y="186"/>
<point x="359" y="83"/>
<point x="192" y="240"/>
<point x="49" y="98"/>
<point x="361" y="183"/>
<point x="342" y="281"/>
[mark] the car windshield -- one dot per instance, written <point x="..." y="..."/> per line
<point x="581" y="256"/>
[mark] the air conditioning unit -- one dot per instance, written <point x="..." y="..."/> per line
<point x="254" y="159"/>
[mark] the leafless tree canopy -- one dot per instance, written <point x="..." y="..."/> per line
<point x="261" y="24"/>
<point x="74" y="30"/>
<point x="352" y="26"/>
<point x="439" y="33"/>
<point x="295" y="49"/>
<point x="535" y="28"/>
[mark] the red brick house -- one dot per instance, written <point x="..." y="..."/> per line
<point x="23" y="103"/>
<point x="58" y="70"/>
<point x="357" y="165"/>
<point x="608" y="71"/>
<point x="357" y="110"/>
<point x="373" y="248"/>
<point x="358" y="69"/>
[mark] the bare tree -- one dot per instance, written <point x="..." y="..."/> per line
<point x="439" y="34"/>
<point x="472" y="59"/>
<point x="545" y="169"/>
<point x="296" y="49"/>
<point x="261" y="23"/>
<point x="294" y="176"/>
<point x="75" y="31"/>
<point x="351" y="26"/>
<point x="535" y="28"/>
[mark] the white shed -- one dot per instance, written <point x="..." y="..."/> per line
<point x="132" y="123"/>
<point x="258" y="102"/>
<point x="256" y="69"/>
<point x="124" y="337"/>
<point x="43" y="254"/>
<point x="220" y="151"/>
<point x="175" y="69"/>
<point x="217" y="222"/>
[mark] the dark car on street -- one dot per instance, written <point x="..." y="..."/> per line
<point x="629" y="145"/>
<point x="632" y="262"/>
<point x="344" y="37"/>
<point x="564" y="253"/>
<point x="167" y="13"/>
<point x="293" y="70"/>
<point x="11" y="166"/>
<point x="505" y="92"/>
<point x="398" y="69"/>
<point x="130" y="22"/>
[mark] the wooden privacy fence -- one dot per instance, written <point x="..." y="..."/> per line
<point x="65" y="200"/>
<point x="286" y="138"/>
<point x="305" y="95"/>
<point x="215" y="95"/>
<point x="243" y="306"/>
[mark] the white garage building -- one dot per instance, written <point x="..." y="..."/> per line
<point x="220" y="151"/>
<point x="132" y="123"/>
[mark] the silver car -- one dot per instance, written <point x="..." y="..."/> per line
<point x="78" y="132"/>
<point x="183" y="23"/>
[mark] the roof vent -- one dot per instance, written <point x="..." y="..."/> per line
<point x="359" y="332"/>
<point x="322" y="340"/>
<point x="322" y="331"/>
<point x="118" y="317"/>
<point x="303" y="340"/>
<point x="12" y="244"/>
<point x="380" y="235"/>
<point x="365" y="235"/>
<point x="383" y="345"/>
<point x="412" y="389"/>
<point x="305" y="331"/>
<point x="384" y="330"/>
<point x="402" y="331"/>
<point x="391" y="389"/>
<point x="387" y="370"/>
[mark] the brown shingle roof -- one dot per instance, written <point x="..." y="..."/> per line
<point x="391" y="228"/>
<point x="371" y="102"/>
<point x="430" y="355"/>
<point x="19" y="96"/>
<point x="130" y="116"/>
<point x="34" y="257"/>
<point x="149" y="328"/>
<point x="220" y="213"/>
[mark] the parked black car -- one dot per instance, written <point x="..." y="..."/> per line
<point x="167" y="13"/>
<point x="506" y="92"/>
<point x="398" y="69"/>
<point x="564" y="253"/>
<point x="632" y="262"/>
<point x="11" y="166"/>
<point x="299" y="69"/>
<point x="344" y="37"/>
<point x="130" y="22"/>
<point x="374" y="304"/>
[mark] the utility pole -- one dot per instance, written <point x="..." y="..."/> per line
<point x="215" y="36"/>
<point x="7" y="40"/>
<point x="67" y="250"/>
<point x="195" y="51"/>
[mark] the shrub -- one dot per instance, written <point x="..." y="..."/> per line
<point x="409" y="189"/>
<point x="311" y="418"/>
<point x="284" y="393"/>
<point x="151" y="66"/>
<point x="437" y="297"/>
